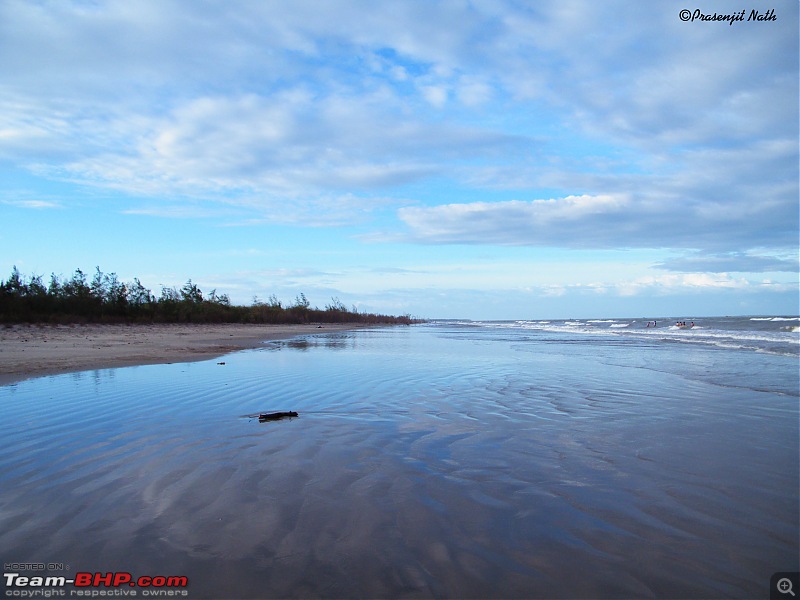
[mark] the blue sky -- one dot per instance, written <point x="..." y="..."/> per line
<point x="485" y="159"/>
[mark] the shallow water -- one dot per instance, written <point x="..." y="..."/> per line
<point x="439" y="460"/>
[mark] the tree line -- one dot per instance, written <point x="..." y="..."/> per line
<point x="106" y="299"/>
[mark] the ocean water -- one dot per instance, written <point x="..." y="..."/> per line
<point x="528" y="459"/>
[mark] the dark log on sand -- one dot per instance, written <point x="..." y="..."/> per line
<point x="276" y="416"/>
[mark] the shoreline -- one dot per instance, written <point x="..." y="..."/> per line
<point x="30" y="351"/>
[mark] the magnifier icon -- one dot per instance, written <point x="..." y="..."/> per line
<point x="785" y="586"/>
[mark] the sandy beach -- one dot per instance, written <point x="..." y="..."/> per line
<point x="28" y="351"/>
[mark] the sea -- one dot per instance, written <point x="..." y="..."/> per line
<point x="585" y="458"/>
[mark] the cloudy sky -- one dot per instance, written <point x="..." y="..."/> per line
<point x="464" y="159"/>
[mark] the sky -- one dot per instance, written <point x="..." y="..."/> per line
<point x="456" y="159"/>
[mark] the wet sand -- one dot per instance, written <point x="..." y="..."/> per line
<point x="28" y="351"/>
<point x="426" y="462"/>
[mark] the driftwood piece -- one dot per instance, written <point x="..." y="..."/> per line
<point x="276" y="416"/>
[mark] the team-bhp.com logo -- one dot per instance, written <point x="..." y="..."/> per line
<point x="95" y="584"/>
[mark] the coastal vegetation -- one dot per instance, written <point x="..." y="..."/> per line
<point x="106" y="299"/>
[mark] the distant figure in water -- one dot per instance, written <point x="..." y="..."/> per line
<point x="652" y="324"/>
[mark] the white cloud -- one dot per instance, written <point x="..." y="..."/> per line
<point x="274" y="155"/>
<point x="436" y="95"/>
<point x="35" y="204"/>
<point x="731" y="262"/>
<point x="680" y="283"/>
<point x="473" y="92"/>
<point x="514" y="222"/>
<point x="724" y="199"/>
<point x="628" y="127"/>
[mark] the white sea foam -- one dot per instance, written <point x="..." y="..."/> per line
<point x="721" y="334"/>
<point x="775" y="319"/>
